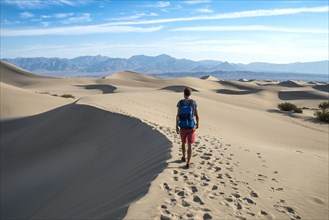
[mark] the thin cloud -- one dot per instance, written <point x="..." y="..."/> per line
<point x="194" y="2"/>
<point x="163" y="4"/>
<point x="63" y="15"/>
<point x="160" y="4"/>
<point x="45" y="24"/>
<point x="8" y="22"/>
<point x="233" y="15"/>
<point x="37" y="4"/>
<point x="26" y="15"/>
<point x="78" y="30"/>
<point x="45" y="16"/>
<point x="81" y="18"/>
<point x="135" y="17"/>
<point x="253" y="28"/>
<point x="204" y="10"/>
<point x="23" y="3"/>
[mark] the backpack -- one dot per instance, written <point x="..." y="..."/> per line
<point x="186" y="120"/>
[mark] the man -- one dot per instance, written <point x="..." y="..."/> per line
<point x="186" y="126"/>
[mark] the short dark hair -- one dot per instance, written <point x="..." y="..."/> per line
<point x="187" y="91"/>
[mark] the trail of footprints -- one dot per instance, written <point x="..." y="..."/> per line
<point x="211" y="180"/>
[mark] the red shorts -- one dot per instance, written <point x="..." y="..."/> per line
<point x="187" y="135"/>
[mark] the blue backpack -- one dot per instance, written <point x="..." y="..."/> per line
<point x="186" y="120"/>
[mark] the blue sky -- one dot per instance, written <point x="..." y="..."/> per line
<point x="278" y="31"/>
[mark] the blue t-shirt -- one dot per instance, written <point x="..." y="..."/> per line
<point x="186" y="102"/>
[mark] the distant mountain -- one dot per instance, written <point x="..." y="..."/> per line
<point x="156" y="65"/>
<point x="225" y="66"/>
<point x="209" y="63"/>
<point x="320" y="67"/>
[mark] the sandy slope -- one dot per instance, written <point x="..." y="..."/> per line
<point x="250" y="160"/>
<point x="17" y="102"/>
<point x="73" y="163"/>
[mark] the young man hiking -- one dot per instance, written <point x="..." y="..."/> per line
<point x="185" y="124"/>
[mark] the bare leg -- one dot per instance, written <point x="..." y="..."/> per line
<point x="184" y="150"/>
<point x="189" y="153"/>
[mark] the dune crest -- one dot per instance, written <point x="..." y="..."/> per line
<point x="130" y="75"/>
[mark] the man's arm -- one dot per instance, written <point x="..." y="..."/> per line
<point x="177" y="119"/>
<point x="197" y="118"/>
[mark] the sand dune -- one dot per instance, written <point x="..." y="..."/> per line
<point x="74" y="163"/>
<point x="81" y="161"/>
<point x="290" y="83"/>
<point x="17" y="102"/>
<point x="16" y="76"/>
<point x="295" y="95"/>
<point x="323" y="88"/>
<point x="210" y="78"/>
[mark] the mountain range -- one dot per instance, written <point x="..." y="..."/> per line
<point x="156" y="65"/>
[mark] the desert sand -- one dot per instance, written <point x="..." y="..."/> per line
<point x="112" y="152"/>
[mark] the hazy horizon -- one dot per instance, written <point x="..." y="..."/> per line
<point x="86" y="55"/>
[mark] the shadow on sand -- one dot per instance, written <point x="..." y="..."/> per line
<point x="105" y="89"/>
<point x="178" y="88"/>
<point x="77" y="162"/>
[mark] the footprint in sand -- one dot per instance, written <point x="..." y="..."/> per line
<point x="275" y="180"/>
<point x="181" y="194"/>
<point x="229" y="199"/>
<point x="283" y="208"/>
<point x="162" y="217"/>
<point x="204" y="177"/>
<point x="317" y="200"/>
<point x="277" y="189"/>
<point x="254" y="194"/>
<point x="207" y="216"/>
<point x="222" y="183"/>
<point x="197" y="200"/>
<point x="251" y="213"/>
<point x="228" y="176"/>
<point x="205" y="157"/>
<point x="194" y="189"/>
<point x="263" y="176"/>
<point x="233" y="183"/>
<point x="166" y="186"/>
<point x="236" y="195"/>
<point x="238" y="205"/>
<point x="185" y="203"/>
<point x="262" y="213"/>
<point x="248" y="201"/>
